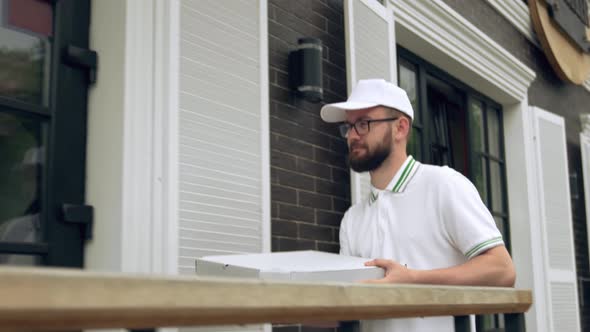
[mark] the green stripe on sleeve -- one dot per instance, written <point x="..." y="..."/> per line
<point x="482" y="245"/>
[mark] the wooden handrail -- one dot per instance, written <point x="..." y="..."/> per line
<point x="51" y="299"/>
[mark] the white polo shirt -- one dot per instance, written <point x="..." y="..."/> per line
<point x="428" y="217"/>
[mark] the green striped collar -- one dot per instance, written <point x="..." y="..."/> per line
<point x="400" y="181"/>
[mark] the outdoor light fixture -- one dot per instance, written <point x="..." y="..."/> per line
<point x="305" y="69"/>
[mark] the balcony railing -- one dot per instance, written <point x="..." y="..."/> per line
<point x="43" y="299"/>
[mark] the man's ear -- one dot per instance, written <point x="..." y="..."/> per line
<point x="403" y="127"/>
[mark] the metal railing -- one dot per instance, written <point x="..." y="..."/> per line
<point x="44" y="299"/>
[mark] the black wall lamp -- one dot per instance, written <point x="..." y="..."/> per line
<point x="305" y="69"/>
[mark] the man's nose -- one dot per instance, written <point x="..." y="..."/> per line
<point x="352" y="137"/>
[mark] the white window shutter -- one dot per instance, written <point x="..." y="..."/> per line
<point x="585" y="146"/>
<point x="224" y="185"/>
<point x="556" y="223"/>
<point x="370" y="53"/>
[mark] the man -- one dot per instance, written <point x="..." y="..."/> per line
<point x="422" y="224"/>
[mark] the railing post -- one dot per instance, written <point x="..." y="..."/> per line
<point x="514" y="322"/>
<point x="462" y="324"/>
<point x="350" y="326"/>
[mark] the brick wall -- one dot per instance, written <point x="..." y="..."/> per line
<point x="309" y="178"/>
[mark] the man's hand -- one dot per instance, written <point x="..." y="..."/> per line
<point x="491" y="268"/>
<point x="394" y="272"/>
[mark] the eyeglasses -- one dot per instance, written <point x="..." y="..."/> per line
<point x="362" y="127"/>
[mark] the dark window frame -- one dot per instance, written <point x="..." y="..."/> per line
<point x="65" y="137"/>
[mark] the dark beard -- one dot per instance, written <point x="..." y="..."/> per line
<point x="372" y="161"/>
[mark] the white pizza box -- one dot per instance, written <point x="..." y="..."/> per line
<point x="290" y="265"/>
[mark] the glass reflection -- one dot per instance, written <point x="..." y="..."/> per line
<point x="415" y="144"/>
<point x="408" y="81"/>
<point x="480" y="178"/>
<point x="25" y="30"/>
<point x="496" y="177"/>
<point x="494" y="132"/>
<point x="21" y="171"/>
<point x="477" y="126"/>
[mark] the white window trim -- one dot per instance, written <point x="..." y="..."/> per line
<point x="452" y="35"/>
<point x="265" y="132"/>
<point x="138" y="185"/>
<point x="149" y="230"/>
<point x="524" y="209"/>
<point x="165" y="138"/>
<point x="517" y="13"/>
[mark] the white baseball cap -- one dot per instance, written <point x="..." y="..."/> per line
<point x="366" y="94"/>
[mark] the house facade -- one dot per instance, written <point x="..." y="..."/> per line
<point x="139" y="135"/>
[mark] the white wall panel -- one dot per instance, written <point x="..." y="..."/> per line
<point x="222" y="144"/>
<point x="556" y="222"/>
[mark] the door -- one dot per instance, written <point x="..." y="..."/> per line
<point x="44" y="78"/>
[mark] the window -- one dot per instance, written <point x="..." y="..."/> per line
<point x="487" y="159"/>
<point x="408" y="79"/>
<point x="42" y="131"/>
<point x="456" y="126"/>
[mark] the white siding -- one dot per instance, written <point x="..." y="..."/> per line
<point x="370" y="53"/>
<point x="223" y="183"/>
<point x="221" y="129"/>
<point x="556" y="222"/>
<point x="371" y="35"/>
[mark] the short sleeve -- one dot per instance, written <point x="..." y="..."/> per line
<point x="468" y="221"/>
<point x="343" y="236"/>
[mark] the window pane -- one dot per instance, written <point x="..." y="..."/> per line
<point x="415" y="144"/>
<point x="480" y="178"/>
<point x="500" y="224"/>
<point x="25" y="49"/>
<point x="496" y="182"/>
<point x="485" y="323"/>
<point x="19" y="260"/>
<point x="408" y="81"/>
<point x="21" y="171"/>
<point x="501" y="321"/>
<point x="476" y="125"/>
<point x="494" y="138"/>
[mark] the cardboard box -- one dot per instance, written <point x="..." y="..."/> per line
<point x="291" y="265"/>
